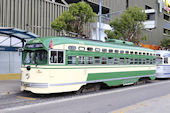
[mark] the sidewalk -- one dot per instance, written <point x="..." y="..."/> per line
<point x="9" y="87"/>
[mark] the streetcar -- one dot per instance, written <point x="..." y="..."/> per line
<point x="67" y="64"/>
<point x="162" y="64"/>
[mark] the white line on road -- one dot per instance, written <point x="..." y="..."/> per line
<point x="77" y="97"/>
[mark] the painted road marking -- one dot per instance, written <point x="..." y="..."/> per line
<point x="78" y="97"/>
<point x="27" y="98"/>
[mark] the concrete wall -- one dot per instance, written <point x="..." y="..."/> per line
<point x="10" y="62"/>
<point x="32" y="15"/>
<point x="154" y="35"/>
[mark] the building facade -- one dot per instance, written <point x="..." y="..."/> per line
<point x="36" y="15"/>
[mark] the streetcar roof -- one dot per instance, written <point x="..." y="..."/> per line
<point x="69" y="40"/>
<point x="163" y="53"/>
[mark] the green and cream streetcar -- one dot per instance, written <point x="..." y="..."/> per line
<point x="64" y="64"/>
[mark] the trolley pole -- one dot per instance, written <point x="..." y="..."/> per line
<point x="100" y="14"/>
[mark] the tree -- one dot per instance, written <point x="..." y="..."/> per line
<point x="166" y="41"/>
<point x="75" y="18"/>
<point x="129" y="25"/>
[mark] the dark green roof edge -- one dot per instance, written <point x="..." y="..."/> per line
<point x="69" y="40"/>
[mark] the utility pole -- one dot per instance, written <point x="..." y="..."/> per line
<point x="100" y="14"/>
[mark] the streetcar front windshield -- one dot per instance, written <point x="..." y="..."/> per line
<point x="158" y="60"/>
<point x="35" y="57"/>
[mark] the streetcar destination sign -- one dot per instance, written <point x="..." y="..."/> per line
<point x="34" y="45"/>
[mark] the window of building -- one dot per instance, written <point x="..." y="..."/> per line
<point x="136" y="53"/>
<point x="116" y="60"/>
<point x="71" y="59"/>
<point x="89" y="60"/>
<point x="166" y="17"/>
<point x="56" y="57"/>
<point x="147" y="53"/>
<point x="89" y="49"/>
<point x="122" y="60"/>
<point x="82" y="48"/>
<point x="127" y="4"/>
<point x="104" y="50"/>
<point x="110" y="50"/>
<point x="140" y="53"/>
<point x="143" y="53"/>
<point x="81" y="60"/>
<point x="97" y="60"/>
<point x="166" y="31"/>
<point x="110" y="60"/>
<point x="147" y="7"/>
<point x="121" y="51"/>
<point x="72" y="47"/>
<point x="104" y="60"/>
<point x="97" y="49"/>
<point x="131" y="52"/>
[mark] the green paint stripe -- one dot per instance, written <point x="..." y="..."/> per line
<point x="100" y="76"/>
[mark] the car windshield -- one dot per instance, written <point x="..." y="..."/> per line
<point x="35" y="57"/>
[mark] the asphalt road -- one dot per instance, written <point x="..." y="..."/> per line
<point x="105" y="101"/>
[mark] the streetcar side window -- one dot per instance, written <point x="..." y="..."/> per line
<point x="136" y="61"/>
<point x="140" y="61"/>
<point x="81" y="60"/>
<point x="89" y="60"/>
<point x="121" y="51"/>
<point x="56" y="57"/>
<point x="127" y="52"/>
<point x="97" y="60"/>
<point x="131" y="61"/>
<point x="97" y="49"/>
<point x="71" y="60"/>
<point x="104" y="50"/>
<point x="165" y="60"/>
<point x="81" y="48"/>
<point x="144" y="61"/>
<point x="122" y="61"/>
<point x="116" y="60"/>
<point x="104" y="60"/>
<point x="89" y="49"/>
<point x="151" y="61"/>
<point x="116" y="51"/>
<point x="110" y="50"/>
<point x="127" y="60"/>
<point x="147" y="61"/>
<point x="110" y="60"/>
<point x="72" y="47"/>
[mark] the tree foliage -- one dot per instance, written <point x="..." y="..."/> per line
<point x="75" y="18"/>
<point x="166" y="42"/>
<point x="129" y="25"/>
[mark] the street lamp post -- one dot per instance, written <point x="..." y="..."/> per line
<point x="100" y="13"/>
